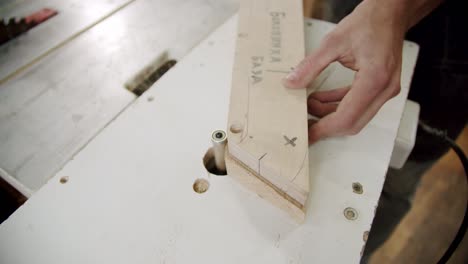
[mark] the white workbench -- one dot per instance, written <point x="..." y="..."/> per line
<point x="129" y="197"/>
<point x="73" y="17"/>
<point x="54" y="107"/>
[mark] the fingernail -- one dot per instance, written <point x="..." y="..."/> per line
<point x="292" y="76"/>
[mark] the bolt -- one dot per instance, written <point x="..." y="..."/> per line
<point x="350" y="213"/>
<point x="201" y="186"/>
<point x="357" y="188"/>
<point x="64" y="179"/>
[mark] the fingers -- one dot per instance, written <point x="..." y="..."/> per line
<point x="388" y="93"/>
<point x="322" y="103"/>
<point x="330" y="96"/>
<point x="321" y="129"/>
<point x="319" y="109"/>
<point x="311" y="122"/>
<point x="309" y="68"/>
<point x="359" y="105"/>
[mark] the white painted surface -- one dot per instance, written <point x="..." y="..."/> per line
<point x="52" y="109"/>
<point x="73" y="16"/>
<point x="406" y="137"/>
<point x="129" y="197"/>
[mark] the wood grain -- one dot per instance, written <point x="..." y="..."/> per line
<point x="268" y="123"/>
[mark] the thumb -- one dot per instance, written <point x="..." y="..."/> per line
<point x="310" y="67"/>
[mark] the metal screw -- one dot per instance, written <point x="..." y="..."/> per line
<point x="357" y="188"/>
<point x="201" y="185"/>
<point x="350" y="213"/>
<point x="64" y="179"/>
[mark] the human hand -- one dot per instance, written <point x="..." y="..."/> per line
<point x="368" y="41"/>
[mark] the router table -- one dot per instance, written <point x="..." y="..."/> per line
<point x="127" y="195"/>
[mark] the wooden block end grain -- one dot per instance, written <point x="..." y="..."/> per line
<point x="267" y="129"/>
<point x="250" y="181"/>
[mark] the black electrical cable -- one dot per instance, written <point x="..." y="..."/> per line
<point x="462" y="230"/>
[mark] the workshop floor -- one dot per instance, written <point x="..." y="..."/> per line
<point x="438" y="209"/>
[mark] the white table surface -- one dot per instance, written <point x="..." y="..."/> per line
<point x="129" y="196"/>
<point x="52" y="109"/>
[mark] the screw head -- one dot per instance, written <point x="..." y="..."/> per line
<point x="357" y="188"/>
<point x="350" y="213"/>
<point x="63" y="179"/>
<point x="201" y="186"/>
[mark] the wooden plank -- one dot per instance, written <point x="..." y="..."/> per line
<point x="267" y="122"/>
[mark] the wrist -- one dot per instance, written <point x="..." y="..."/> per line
<point x="391" y="13"/>
<point x="406" y="12"/>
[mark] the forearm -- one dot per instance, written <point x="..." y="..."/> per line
<point x="405" y="12"/>
<point x="418" y="9"/>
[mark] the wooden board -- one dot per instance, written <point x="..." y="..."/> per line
<point x="267" y="122"/>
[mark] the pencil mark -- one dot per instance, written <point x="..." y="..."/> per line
<point x="243" y="35"/>
<point x="301" y="167"/>
<point x="290" y="141"/>
<point x="276" y="36"/>
<point x="277" y="71"/>
<point x="277" y="242"/>
<point x="245" y="132"/>
<point x="259" y="160"/>
<point x="257" y="72"/>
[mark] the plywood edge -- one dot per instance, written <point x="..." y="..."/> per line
<point x="252" y="181"/>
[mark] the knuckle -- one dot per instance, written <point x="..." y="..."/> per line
<point x="305" y="64"/>
<point x="307" y="61"/>
<point x="348" y="124"/>
<point x="381" y="77"/>
<point x="330" y="39"/>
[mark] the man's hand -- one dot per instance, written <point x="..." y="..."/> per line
<point x="368" y="41"/>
